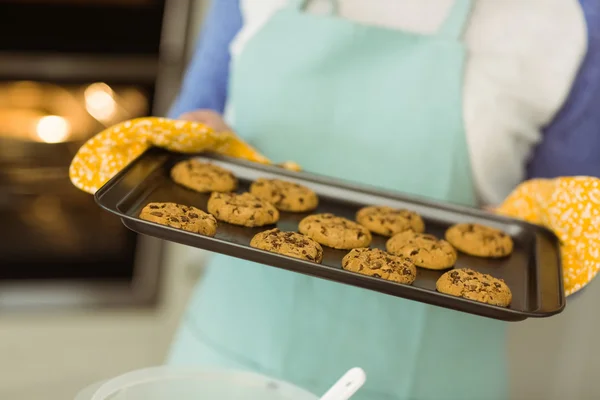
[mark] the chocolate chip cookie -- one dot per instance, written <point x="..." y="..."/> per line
<point x="336" y="232"/>
<point x="378" y="263"/>
<point x="479" y="240"/>
<point x="242" y="209"/>
<point x="424" y="250"/>
<point x="286" y="196"/>
<point x="290" y="244"/>
<point x="179" y="216"/>
<point x="203" y="177"/>
<point x="476" y="286"/>
<point x="388" y="221"/>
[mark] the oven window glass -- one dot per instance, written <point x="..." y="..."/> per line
<point x="49" y="229"/>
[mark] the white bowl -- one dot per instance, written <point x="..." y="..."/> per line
<point x="166" y="383"/>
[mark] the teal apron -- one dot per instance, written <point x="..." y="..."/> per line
<point x="372" y="105"/>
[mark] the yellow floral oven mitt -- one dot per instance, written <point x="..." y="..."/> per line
<point x="568" y="206"/>
<point x="107" y="153"/>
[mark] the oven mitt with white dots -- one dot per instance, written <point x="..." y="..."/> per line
<point x="111" y="150"/>
<point x="568" y="206"/>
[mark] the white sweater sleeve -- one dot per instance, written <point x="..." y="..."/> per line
<point x="523" y="59"/>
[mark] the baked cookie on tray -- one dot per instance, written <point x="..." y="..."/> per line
<point x="479" y="240"/>
<point x="290" y="244"/>
<point x="335" y="232"/>
<point x="474" y="285"/>
<point x="424" y="250"/>
<point x="388" y="221"/>
<point x="242" y="209"/>
<point x="379" y="264"/>
<point x="188" y="218"/>
<point x="286" y="196"/>
<point x="203" y="177"/>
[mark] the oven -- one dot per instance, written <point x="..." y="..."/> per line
<point x="68" y="69"/>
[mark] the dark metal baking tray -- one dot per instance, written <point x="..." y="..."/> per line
<point x="533" y="271"/>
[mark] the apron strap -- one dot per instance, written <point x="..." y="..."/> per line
<point x="300" y="5"/>
<point x="454" y="25"/>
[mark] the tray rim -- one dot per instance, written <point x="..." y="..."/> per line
<point x="163" y="156"/>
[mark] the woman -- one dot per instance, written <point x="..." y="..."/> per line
<point x="390" y="94"/>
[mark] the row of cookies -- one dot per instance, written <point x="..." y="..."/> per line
<point x="243" y="209"/>
<point x="406" y="250"/>
<point x="410" y="247"/>
<point x="408" y="240"/>
<point x="341" y="233"/>
<point x="204" y="177"/>
<point x="406" y="229"/>
<point x="260" y="207"/>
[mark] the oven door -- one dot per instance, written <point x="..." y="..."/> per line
<point x="57" y="247"/>
<point x="69" y="69"/>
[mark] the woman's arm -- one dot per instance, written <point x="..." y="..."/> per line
<point x="571" y="144"/>
<point x="205" y="83"/>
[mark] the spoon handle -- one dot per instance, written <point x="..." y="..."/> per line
<point x="346" y="386"/>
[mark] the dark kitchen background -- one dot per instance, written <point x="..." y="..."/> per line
<point x="81" y="297"/>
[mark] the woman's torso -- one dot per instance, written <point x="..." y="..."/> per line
<point x="488" y="35"/>
<point x="296" y="94"/>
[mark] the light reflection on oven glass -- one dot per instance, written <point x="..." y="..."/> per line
<point x="53" y="129"/>
<point x="41" y="127"/>
<point x="49" y="113"/>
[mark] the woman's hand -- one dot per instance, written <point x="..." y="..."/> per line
<point x="207" y="117"/>
<point x="215" y="121"/>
